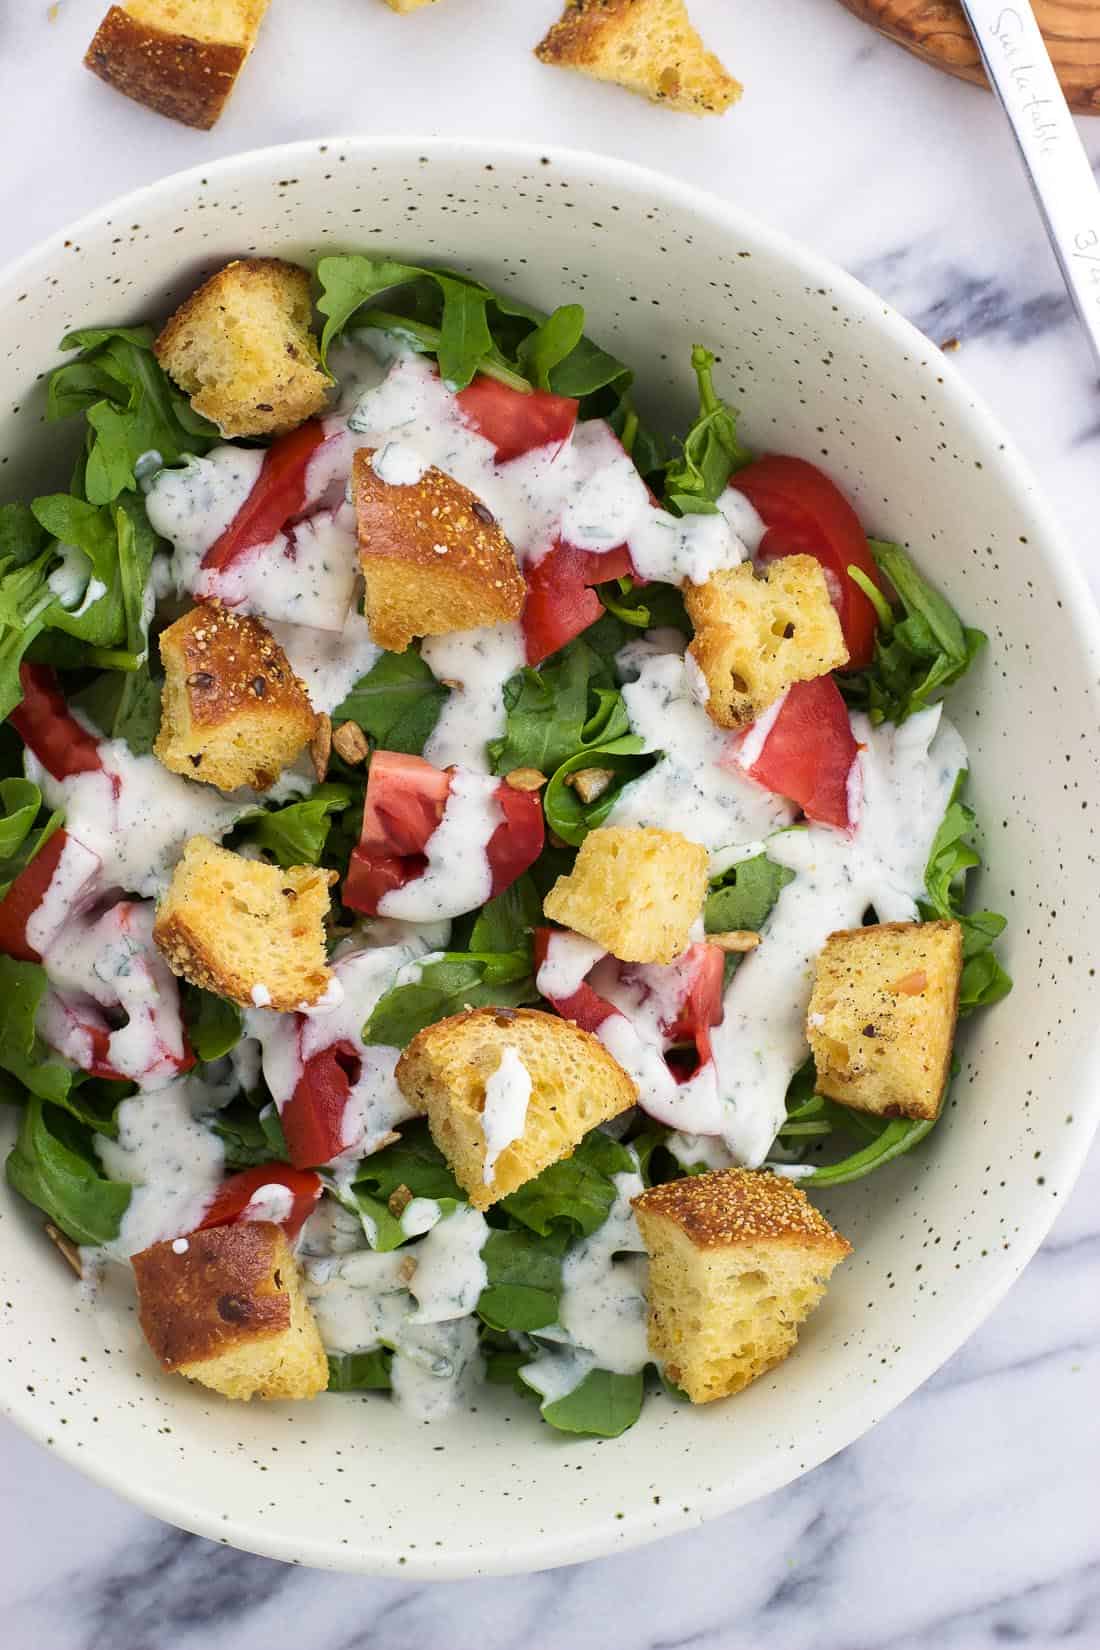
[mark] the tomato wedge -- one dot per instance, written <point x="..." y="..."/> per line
<point x="235" y="1194"/>
<point x="806" y="514"/>
<point x="48" y="728"/>
<point x="313" y="1117"/>
<point x="809" y="752"/>
<point x="516" y="421"/>
<point x="406" y="798"/>
<point x="702" y="969"/>
<point x="561" y="602"/>
<point x="585" y="1007"/>
<point x="279" y="494"/>
<point x="25" y="896"/>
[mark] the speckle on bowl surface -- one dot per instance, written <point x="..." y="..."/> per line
<point x="822" y="369"/>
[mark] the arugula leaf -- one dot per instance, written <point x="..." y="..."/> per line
<point x="360" y="1371"/>
<point x="124" y="704"/>
<point x="547" y="710"/>
<point x="950" y="858"/>
<point x="20" y="805"/>
<point x="604" y="1405"/>
<point x="348" y="282"/>
<point x="131" y="405"/>
<point x="525" y="1282"/>
<point x="22" y="1053"/>
<point x="448" y="984"/>
<point x="743" y="896"/>
<point x="383" y="1229"/>
<point x="271" y="1124"/>
<point x="893" y="1139"/>
<point x="586" y="369"/>
<point x="571" y="818"/>
<point x="63" y="1182"/>
<point x="239" y="1128"/>
<point x="119" y="544"/>
<point x="550" y="343"/>
<point x="25" y="602"/>
<point x="577" y="1191"/>
<point x="214" y="1025"/>
<point x="504" y="924"/>
<point x="917" y="656"/>
<point x="414" y="1161"/>
<point x="397" y="702"/>
<point x="297" y="833"/>
<point x="711" y="451"/>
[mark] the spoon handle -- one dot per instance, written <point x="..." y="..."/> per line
<point x="1023" y="77"/>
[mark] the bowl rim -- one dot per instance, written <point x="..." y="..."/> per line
<point x="596" y="1539"/>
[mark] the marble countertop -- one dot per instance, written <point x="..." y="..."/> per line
<point x="971" y="1516"/>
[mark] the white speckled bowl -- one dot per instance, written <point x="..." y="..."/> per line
<point x="823" y="369"/>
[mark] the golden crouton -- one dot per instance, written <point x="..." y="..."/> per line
<point x="634" y="890"/>
<point x="226" y="1307"/>
<point x="737" y="1260"/>
<point x="881" y="1020"/>
<point x="575" y="1084"/>
<point x="245" y="930"/>
<point x="433" y="557"/>
<point x="648" y="46"/>
<point x="180" y="58"/>
<point x="232" y="712"/>
<point x="755" y="637"/>
<point x="242" y="347"/>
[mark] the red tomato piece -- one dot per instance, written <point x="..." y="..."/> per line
<point x="25" y="896"/>
<point x="702" y="967"/>
<point x="234" y="1195"/>
<point x="585" y="1007"/>
<point x="809" y="752"/>
<point x="313" y="1117"/>
<point x="561" y="602"/>
<point x="279" y="495"/>
<point x="516" y="421"/>
<point x="807" y="514"/>
<point x="517" y="841"/>
<point x="48" y="729"/>
<point x="405" y="800"/>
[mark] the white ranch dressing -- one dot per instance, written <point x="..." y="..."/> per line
<point x="475" y="664"/>
<point x="328" y="662"/>
<point x="399" y="465"/>
<point x="269" y="1202"/>
<point x="457" y="877"/>
<point x="689" y="790"/>
<point x="419" y="1216"/>
<point x="111" y="963"/>
<point x="134" y="815"/>
<point x="504" y="1115"/>
<point x="450" y="1273"/>
<point x="307" y="575"/>
<point x="602" y="1320"/>
<point x="570" y="958"/>
<point x="72" y="884"/>
<point x="174" y="1163"/>
<point x="73" y="582"/>
<point x="743" y="518"/>
<point x="908" y="774"/>
<point x="288" y="1041"/>
<point x="193" y="506"/>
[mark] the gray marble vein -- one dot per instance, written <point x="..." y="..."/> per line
<point x="970" y="1518"/>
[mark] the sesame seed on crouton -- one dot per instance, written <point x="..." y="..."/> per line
<point x="737" y="1260"/>
<point x="232" y="711"/>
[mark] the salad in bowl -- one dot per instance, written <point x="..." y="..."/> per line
<point x="472" y="866"/>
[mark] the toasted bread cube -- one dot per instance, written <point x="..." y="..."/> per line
<point x="180" y="58"/>
<point x="232" y="712"/>
<point x="248" y="931"/>
<point x="433" y="557"/>
<point x="737" y="1260"/>
<point x="635" y="890"/>
<point x="242" y="347"/>
<point x="226" y="1307"/>
<point x="648" y="46"/>
<point x="754" y="638"/>
<point x="448" y="1071"/>
<point x="881" y="1021"/>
